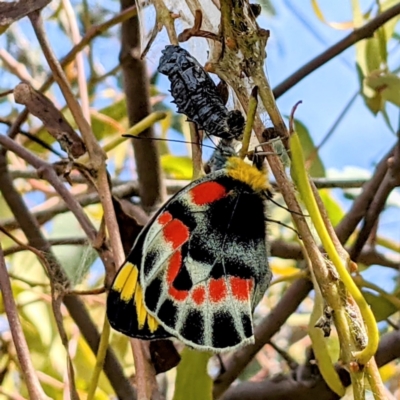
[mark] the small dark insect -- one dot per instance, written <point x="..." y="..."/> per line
<point x="196" y="95"/>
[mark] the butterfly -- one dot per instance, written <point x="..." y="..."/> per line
<point x="199" y="267"/>
<point x="196" y="95"/>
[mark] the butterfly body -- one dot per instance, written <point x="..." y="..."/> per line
<point x="199" y="268"/>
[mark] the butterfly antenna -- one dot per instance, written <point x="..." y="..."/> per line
<point x="269" y="197"/>
<point x="284" y="225"/>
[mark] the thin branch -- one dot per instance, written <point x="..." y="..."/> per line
<point x="44" y="215"/>
<point x="369" y="256"/>
<point x="174" y="185"/>
<point x="390" y="182"/>
<point x="80" y="66"/>
<point x="361" y="204"/>
<point x="27" y="368"/>
<point x="358" y="34"/>
<point x="47" y="171"/>
<point x="53" y="120"/>
<point x="16" y="68"/>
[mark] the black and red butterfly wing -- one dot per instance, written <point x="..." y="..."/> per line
<point x="205" y="263"/>
<point x="125" y="307"/>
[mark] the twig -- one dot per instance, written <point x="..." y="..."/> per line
<point x="96" y="154"/>
<point x="358" y="34"/>
<point x="47" y="172"/>
<point x="80" y="67"/>
<point x="174" y="185"/>
<point x="15" y="67"/>
<point x="196" y="140"/>
<point x="56" y="300"/>
<point x="360" y="206"/>
<point x="195" y="30"/>
<point x="27" y="369"/>
<point x="55" y="123"/>
<point x="390" y="181"/>
<point x="34" y="138"/>
<point x="369" y="256"/>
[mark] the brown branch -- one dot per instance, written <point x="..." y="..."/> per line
<point x="96" y="154"/>
<point x="358" y="34"/>
<point x="27" y="369"/>
<point x="390" y="182"/>
<point x="15" y="67"/>
<point x="360" y="206"/>
<point x="151" y="189"/>
<point x="79" y="60"/>
<point x="174" y="185"/>
<point x="55" y="123"/>
<point x="15" y="10"/>
<point x="47" y="171"/>
<point x="368" y="256"/>
<point x="44" y="215"/>
<point x="136" y="87"/>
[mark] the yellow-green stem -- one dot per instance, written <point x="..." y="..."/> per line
<point x="319" y="344"/>
<point x="101" y="354"/>
<point x="300" y="176"/>
<point x="251" y="113"/>
<point x="135" y="130"/>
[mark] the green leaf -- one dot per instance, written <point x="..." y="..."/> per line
<point x="267" y="7"/>
<point x="386" y="85"/>
<point x="381" y="307"/>
<point x="116" y="111"/>
<point x="192" y="380"/>
<point x="75" y="260"/>
<point x="316" y="169"/>
<point x="335" y="212"/>
<point x="177" y="167"/>
<point x="84" y="362"/>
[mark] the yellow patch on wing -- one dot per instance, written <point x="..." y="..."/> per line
<point x="140" y="308"/>
<point x="152" y="323"/>
<point x="126" y="283"/>
<point x="240" y="170"/>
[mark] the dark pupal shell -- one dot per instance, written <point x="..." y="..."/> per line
<point x="196" y="95"/>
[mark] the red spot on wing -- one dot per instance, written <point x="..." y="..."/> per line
<point x="164" y="218"/>
<point x="174" y="265"/>
<point x="217" y="289"/>
<point x="176" y="232"/>
<point x="207" y="192"/>
<point x="241" y="288"/>
<point x="199" y="295"/>
<point x="178" y="295"/>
